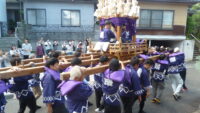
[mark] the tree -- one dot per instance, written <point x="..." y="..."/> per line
<point x="193" y="23"/>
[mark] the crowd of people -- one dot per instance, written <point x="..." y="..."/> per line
<point x="45" y="48"/>
<point x="116" y="89"/>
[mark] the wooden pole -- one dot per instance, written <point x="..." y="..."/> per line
<point x="119" y="34"/>
<point x="134" y="38"/>
<point x="37" y="60"/>
<point x="42" y="63"/>
<point x="100" y="69"/>
<point x="39" y="69"/>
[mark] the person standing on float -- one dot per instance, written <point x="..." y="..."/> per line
<point x="106" y="34"/>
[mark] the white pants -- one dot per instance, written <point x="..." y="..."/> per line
<point x="177" y="83"/>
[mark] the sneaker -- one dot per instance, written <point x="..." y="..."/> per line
<point x="157" y="100"/>
<point x="38" y="107"/>
<point x="97" y="110"/>
<point x="153" y="100"/>
<point x="179" y="97"/>
<point x="175" y="97"/>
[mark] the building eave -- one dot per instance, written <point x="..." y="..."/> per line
<point x="162" y="37"/>
<point x="67" y="1"/>
<point x="172" y="1"/>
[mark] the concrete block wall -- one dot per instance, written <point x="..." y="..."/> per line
<point x="7" y="42"/>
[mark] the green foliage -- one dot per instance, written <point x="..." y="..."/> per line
<point x="193" y="23"/>
<point x="196" y="6"/>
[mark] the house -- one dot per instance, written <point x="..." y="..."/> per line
<point x="163" y="22"/>
<point x="13" y="8"/>
<point x="60" y="19"/>
<point x="9" y="16"/>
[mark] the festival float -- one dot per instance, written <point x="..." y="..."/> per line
<point x="122" y="13"/>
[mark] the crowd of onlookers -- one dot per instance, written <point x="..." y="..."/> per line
<point x="43" y="48"/>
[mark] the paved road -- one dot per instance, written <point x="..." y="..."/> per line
<point x="190" y="102"/>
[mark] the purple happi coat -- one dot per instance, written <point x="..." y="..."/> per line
<point x="131" y="83"/>
<point x="110" y="86"/>
<point x="3" y="88"/>
<point x="176" y="60"/>
<point x="77" y="94"/>
<point x="160" y="70"/>
<point x="51" y="92"/>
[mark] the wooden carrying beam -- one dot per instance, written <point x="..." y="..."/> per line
<point x="37" y="60"/>
<point x="39" y="69"/>
<point x="42" y="63"/>
<point x="100" y="69"/>
<point x="35" y="70"/>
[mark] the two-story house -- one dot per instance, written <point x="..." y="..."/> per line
<point x="163" y="22"/>
<point x="60" y="19"/>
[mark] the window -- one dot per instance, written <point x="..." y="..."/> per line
<point x="70" y="18"/>
<point x="156" y="19"/>
<point x="167" y="19"/>
<point x="145" y="18"/>
<point x="36" y="17"/>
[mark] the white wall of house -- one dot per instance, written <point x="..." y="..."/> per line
<point x="186" y="46"/>
<point x="3" y="16"/>
<point x="188" y="49"/>
<point x="53" y="11"/>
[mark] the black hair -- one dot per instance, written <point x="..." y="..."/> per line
<point x="79" y="50"/>
<point x="103" y="59"/>
<point x="107" y="22"/>
<point x="171" y="50"/>
<point x="162" y="49"/>
<point x="55" y="54"/>
<point x="114" y="64"/>
<point x="149" y="61"/>
<point x="162" y="57"/>
<point x="15" y="56"/>
<point x="26" y="39"/>
<point x="15" y="61"/>
<point x="76" y="61"/>
<point x="77" y="54"/>
<point x="134" y="61"/>
<point x="51" y="62"/>
<point x="145" y="52"/>
<point x="157" y="48"/>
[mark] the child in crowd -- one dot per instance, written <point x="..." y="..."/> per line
<point x="34" y="83"/>
<point x="98" y="85"/>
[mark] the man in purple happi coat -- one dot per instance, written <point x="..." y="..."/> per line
<point x="106" y="34"/>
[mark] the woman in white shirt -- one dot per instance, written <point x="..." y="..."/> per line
<point x="27" y="48"/>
